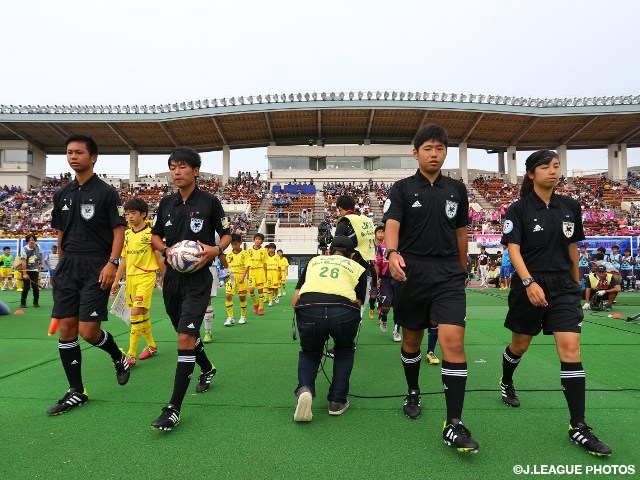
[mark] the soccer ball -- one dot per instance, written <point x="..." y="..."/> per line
<point x="182" y="257"/>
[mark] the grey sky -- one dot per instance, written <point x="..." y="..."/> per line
<point x="118" y="52"/>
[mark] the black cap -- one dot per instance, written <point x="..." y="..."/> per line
<point x="601" y="269"/>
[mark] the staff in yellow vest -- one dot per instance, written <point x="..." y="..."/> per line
<point x="603" y="285"/>
<point x="327" y="302"/>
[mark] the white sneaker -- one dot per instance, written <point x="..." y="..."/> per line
<point x="242" y="321"/>
<point x="383" y="327"/>
<point x="397" y="337"/>
<point x="229" y="322"/>
<point x="270" y="304"/>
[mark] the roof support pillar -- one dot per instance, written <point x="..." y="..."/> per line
<point x="133" y="166"/>
<point x="617" y="161"/>
<point x="501" y="169"/>
<point x="562" y="157"/>
<point x="462" y="162"/>
<point x="226" y="163"/>
<point x="512" y="167"/>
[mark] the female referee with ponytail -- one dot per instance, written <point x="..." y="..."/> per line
<point x="542" y="230"/>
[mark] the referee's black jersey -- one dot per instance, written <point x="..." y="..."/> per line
<point x="87" y="215"/>
<point x="544" y="233"/>
<point x="197" y="218"/>
<point x="429" y="214"/>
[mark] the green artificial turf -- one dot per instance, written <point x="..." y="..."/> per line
<point x="243" y="428"/>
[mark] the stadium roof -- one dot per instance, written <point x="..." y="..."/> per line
<point x="482" y="121"/>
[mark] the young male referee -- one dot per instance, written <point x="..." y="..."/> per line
<point x="90" y="222"/>
<point x="426" y="218"/>
<point x="189" y="214"/>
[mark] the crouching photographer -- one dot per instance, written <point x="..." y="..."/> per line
<point x="327" y="303"/>
<point x="602" y="289"/>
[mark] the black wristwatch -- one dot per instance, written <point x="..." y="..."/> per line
<point x="115" y="261"/>
<point x="527" y="281"/>
<point x="163" y="252"/>
<point x="389" y="252"/>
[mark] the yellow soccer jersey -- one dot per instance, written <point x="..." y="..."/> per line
<point x="284" y="266"/>
<point x="238" y="262"/>
<point x="257" y="258"/>
<point x="273" y="263"/>
<point x="332" y="274"/>
<point x="138" y="251"/>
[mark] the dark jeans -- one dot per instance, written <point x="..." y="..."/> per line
<point x="316" y="323"/>
<point x="32" y="281"/>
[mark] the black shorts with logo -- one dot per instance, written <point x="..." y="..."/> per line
<point x="76" y="290"/>
<point x="563" y="314"/>
<point x="186" y="296"/>
<point x="434" y="290"/>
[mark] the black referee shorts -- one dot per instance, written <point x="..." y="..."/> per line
<point x="76" y="290"/>
<point x="186" y="296"/>
<point x="564" y="313"/>
<point x="434" y="290"/>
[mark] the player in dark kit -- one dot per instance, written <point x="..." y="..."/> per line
<point x="90" y="222"/>
<point x="426" y="219"/>
<point x="189" y="214"/>
<point x="542" y="230"/>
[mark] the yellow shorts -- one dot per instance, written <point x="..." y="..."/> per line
<point x="273" y="279"/>
<point x="140" y="290"/>
<point x="231" y="287"/>
<point x="256" y="278"/>
<point x="6" y="272"/>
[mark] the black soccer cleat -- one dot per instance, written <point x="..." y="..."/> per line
<point x="581" y="435"/>
<point x="169" y="418"/>
<point x="411" y="406"/>
<point x="72" y="398"/>
<point x="204" y="380"/>
<point x="123" y="371"/>
<point x="456" y="435"/>
<point x="509" y="394"/>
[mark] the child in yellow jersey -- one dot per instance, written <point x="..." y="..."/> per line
<point x="6" y="259"/>
<point x="257" y="272"/>
<point x="284" y="269"/>
<point x="273" y="274"/>
<point x="17" y="273"/>
<point x="141" y="262"/>
<point x="238" y="261"/>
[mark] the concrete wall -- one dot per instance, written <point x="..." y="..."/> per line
<point x="23" y="175"/>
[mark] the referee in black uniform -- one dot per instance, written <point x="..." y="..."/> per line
<point x="90" y="222"/>
<point x="542" y="230"/>
<point x="189" y="214"/>
<point x="426" y="217"/>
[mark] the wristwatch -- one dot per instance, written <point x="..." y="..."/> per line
<point x="115" y="261"/>
<point x="390" y="251"/>
<point x="163" y="252"/>
<point x="527" y="281"/>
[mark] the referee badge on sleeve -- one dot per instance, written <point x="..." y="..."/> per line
<point x="567" y="229"/>
<point x="121" y="210"/>
<point x="387" y="204"/>
<point x="225" y="222"/>
<point x="507" y="227"/>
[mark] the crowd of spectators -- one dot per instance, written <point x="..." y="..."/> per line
<point x="27" y="211"/>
